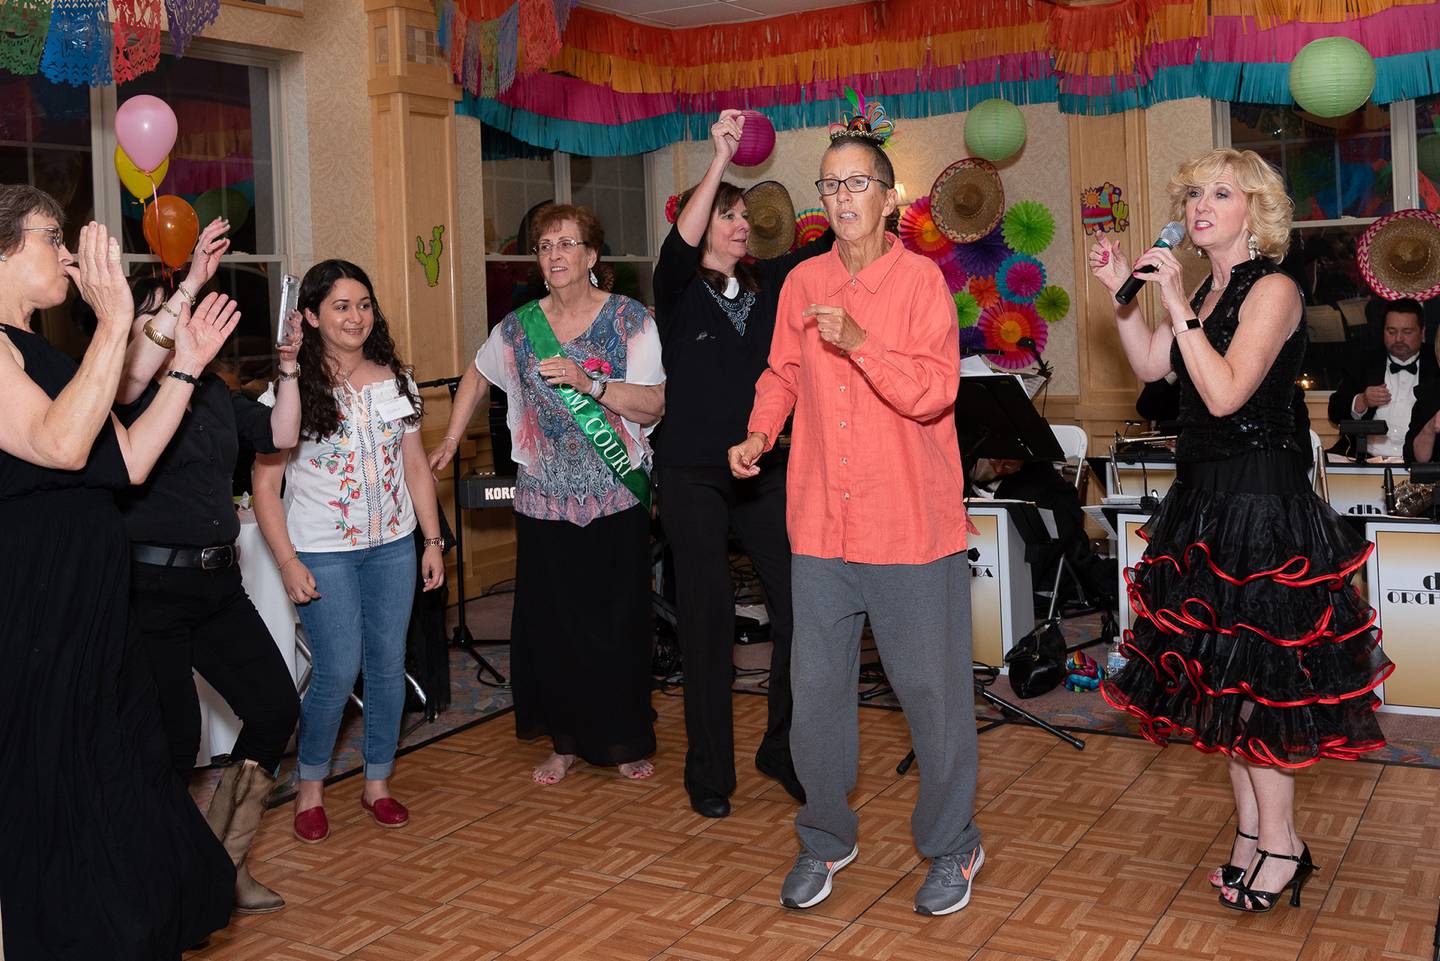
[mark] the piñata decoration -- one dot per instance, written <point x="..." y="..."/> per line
<point x="1052" y="304"/>
<point x="1020" y="278"/>
<point x="1004" y="325"/>
<point x="1028" y="227"/>
<point x="919" y="234"/>
<point x="1101" y="209"/>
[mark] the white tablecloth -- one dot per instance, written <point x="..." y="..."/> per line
<point x="218" y="725"/>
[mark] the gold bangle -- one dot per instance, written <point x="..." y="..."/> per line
<point x="189" y="297"/>
<point x="157" y="338"/>
<point x="435" y="542"/>
<point x="170" y="310"/>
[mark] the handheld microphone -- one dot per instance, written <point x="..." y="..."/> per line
<point x="1170" y="237"/>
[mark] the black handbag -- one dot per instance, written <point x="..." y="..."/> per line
<point x="1037" y="661"/>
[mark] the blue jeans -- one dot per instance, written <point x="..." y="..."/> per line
<point x="359" y="621"/>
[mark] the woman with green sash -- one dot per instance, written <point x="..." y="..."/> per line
<point x="582" y="371"/>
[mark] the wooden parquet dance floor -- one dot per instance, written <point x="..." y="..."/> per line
<point x="1094" y="856"/>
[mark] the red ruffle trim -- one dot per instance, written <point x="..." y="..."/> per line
<point x="1284" y="574"/>
<point x="1157" y="730"/>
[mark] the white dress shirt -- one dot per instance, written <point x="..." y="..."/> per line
<point x="1395" y="414"/>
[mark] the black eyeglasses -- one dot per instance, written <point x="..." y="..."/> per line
<point x="830" y="186"/>
<point x="57" y="239"/>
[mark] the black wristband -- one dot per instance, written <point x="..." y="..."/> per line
<point x="182" y="376"/>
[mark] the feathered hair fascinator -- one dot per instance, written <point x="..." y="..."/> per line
<point x="866" y="120"/>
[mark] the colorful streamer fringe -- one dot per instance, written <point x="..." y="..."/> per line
<point x="649" y="86"/>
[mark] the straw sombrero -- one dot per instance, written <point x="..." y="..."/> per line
<point x="1399" y="254"/>
<point x="967" y="200"/>
<point x="772" y="220"/>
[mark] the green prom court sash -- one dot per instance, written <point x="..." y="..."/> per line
<point x="585" y="409"/>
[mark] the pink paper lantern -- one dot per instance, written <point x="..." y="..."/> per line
<point x="756" y="141"/>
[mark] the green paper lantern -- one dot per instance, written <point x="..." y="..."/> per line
<point x="1332" y="76"/>
<point x="994" y="130"/>
<point x="1427" y="156"/>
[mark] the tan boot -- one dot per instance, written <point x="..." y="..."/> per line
<point x="248" y="793"/>
<point x="222" y="805"/>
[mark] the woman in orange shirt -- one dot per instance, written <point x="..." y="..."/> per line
<point x="866" y="355"/>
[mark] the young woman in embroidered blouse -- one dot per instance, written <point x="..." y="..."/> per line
<point x="581" y="633"/>
<point x="354" y="489"/>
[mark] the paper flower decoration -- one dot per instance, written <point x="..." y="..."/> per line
<point x="984" y="291"/>
<point x="1005" y="325"/>
<point x="955" y="276"/>
<point x="1052" y="304"/>
<point x="672" y="208"/>
<point x="985" y="255"/>
<point x="1020" y="278"/>
<point x="810" y="224"/>
<point x="972" y="341"/>
<point x="1028" y="227"/>
<point x="919" y="233"/>
<point x="967" y="311"/>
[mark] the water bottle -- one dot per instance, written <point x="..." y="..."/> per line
<point x="1115" y="660"/>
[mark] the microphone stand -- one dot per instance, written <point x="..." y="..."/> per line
<point x="462" y="637"/>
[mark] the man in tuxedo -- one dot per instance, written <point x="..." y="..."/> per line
<point x="1382" y="386"/>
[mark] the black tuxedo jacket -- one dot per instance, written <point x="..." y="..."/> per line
<point x="1427" y="405"/>
<point x="1367" y="372"/>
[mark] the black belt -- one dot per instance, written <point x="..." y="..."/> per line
<point x="206" y="558"/>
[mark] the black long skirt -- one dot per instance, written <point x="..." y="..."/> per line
<point x="102" y="852"/>
<point x="582" y="635"/>
<point x="1249" y="638"/>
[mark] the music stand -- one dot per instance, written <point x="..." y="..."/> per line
<point x="461" y="637"/>
<point x="998" y="422"/>
<point x="1359" y="430"/>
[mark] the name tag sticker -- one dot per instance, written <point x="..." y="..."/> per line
<point x="395" y="408"/>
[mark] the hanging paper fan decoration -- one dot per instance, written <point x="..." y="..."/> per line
<point x="810" y="224"/>
<point x="984" y="291"/>
<point x="1052" y="304"/>
<point x="1028" y="227"/>
<point x="1020" y="278"/>
<point x="509" y="245"/>
<point x="967" y="310"/>
<point x="955" y="276"/>
<point x="1004" y="326"/>
<point x="985" y="255"/>
<point x="972" y="340"/>
<point x="919" y="233"/>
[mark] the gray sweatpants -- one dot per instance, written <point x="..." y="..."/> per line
<point x="920" y="616"/>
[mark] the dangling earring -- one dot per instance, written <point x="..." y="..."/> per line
<point x="594" y="282"/>
<point x="546" y="283"/>
<point x="1253" y="246"/>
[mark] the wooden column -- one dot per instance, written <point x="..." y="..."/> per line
<point x="412" y="122"/>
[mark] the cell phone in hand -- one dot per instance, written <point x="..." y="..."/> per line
<point x="289" y="300"/>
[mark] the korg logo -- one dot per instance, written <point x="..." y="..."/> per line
<point x="499" y="493"/>
<point x="1427" y="597"/>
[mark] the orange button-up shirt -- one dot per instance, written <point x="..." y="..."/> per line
<point x="875" y="475"/>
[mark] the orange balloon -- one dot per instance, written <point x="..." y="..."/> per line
<point x="171" y="229"/>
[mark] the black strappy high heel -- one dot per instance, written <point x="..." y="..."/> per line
<point x="1233" y="874"/>
<point x="1262" y="901"/>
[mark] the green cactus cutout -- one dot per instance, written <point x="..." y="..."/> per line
<point x="431" y="261"/>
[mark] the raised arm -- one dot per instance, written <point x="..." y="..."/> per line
<point x="59" y="433"/>
<point x="1147" y="349"/>
<point x="725" y="135"/>
<point x="147" y="353"/>
<point x="197" y="339"/>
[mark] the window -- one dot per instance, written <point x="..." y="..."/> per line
<point x="224" y="163"/>
<point x="1343" y="173"/>
<point x="615" y="188"/>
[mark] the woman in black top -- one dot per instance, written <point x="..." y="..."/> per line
<point x="191" y="609"/>
<point x="716" y="314"/>
<point x="102" y="853"/>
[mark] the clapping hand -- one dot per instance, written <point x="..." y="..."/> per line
<point x="100" y="278"/>
<point x="205" y="260"/>
<point x="201" y="332"/>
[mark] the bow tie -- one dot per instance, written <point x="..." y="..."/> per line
<point x="1411" y="368"/>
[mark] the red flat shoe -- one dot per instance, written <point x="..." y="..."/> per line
<point x="312" y="826"/>
<point x="387" y="812"/>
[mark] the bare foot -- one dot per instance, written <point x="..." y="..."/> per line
<point x="637" y="770"/>
<point x="556" y="766"/>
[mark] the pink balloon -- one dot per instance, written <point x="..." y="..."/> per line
<point x="757" y="140"/>
<point x="146" y="128"/>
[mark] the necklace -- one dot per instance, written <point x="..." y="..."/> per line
<point x="737" y="311"/>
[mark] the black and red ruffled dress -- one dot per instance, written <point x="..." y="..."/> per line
<point x="1248" y="638"/>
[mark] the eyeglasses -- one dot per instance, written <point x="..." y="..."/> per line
<point x="856" y="184"/>
<point x="566" y="244"/>
<point x="57" y="239"/>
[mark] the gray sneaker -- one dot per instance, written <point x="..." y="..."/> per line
<point x="947" y="887"/>
<point x="808" y="882"/>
